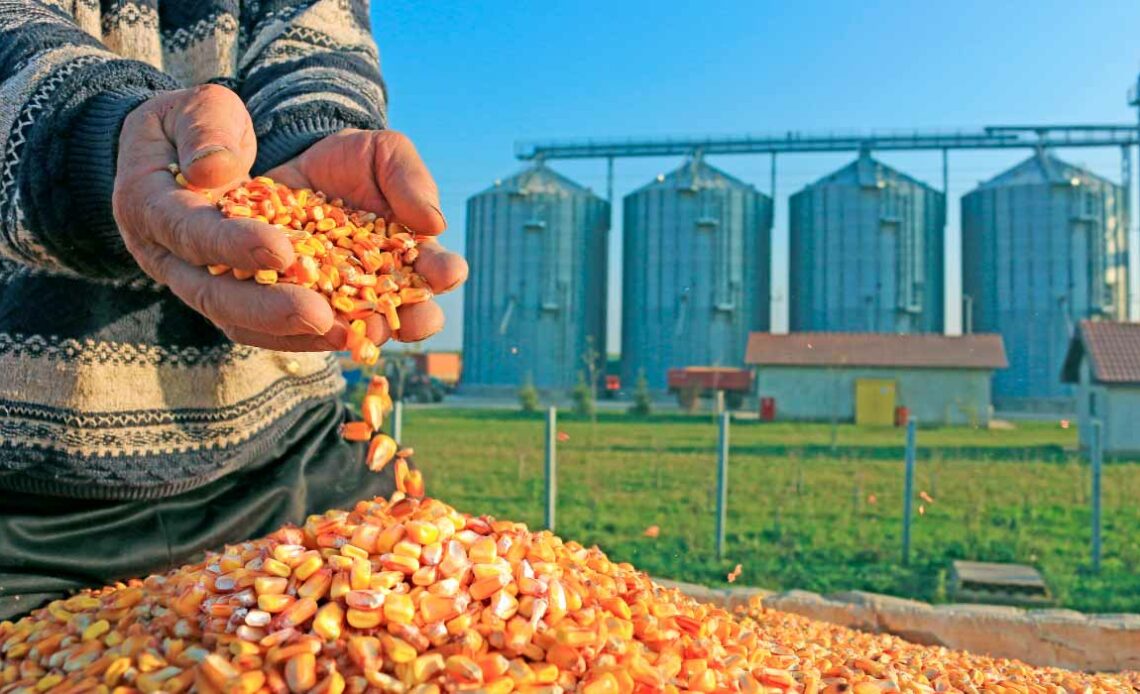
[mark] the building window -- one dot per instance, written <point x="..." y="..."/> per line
<point x="1092" y="404"/>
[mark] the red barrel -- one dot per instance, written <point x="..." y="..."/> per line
<point x="901" y="416"/>
<point x="767" y="409"/>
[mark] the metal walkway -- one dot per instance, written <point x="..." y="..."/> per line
<point x="1123" y="136"/>
<point x="990" y="137"/>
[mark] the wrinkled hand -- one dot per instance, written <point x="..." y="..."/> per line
<point x="174" y="233"/>
<point x="380" y="171"/>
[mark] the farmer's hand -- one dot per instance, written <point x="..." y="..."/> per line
<point x="380" y="171"/>
<point x="174" y="233"/>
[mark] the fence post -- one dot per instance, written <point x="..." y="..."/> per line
<point x="908" y="490"/>
<point x="551" y="467"/>
<point x="398" y="421"/>
<point x="1096" y="452"/>
<point x="721" y="482"/>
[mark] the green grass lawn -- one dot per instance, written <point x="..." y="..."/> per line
<point x="802" y="513"/>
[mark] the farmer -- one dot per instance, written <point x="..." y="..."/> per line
<point x="148" y="410"/>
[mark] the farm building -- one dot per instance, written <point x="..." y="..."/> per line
<point x="868" y="377"/>
<point x="1104" y="362"/>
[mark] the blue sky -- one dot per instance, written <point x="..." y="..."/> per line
<point x="468" y="79"/>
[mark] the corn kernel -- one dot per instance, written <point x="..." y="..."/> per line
<point x="399" y="608"/>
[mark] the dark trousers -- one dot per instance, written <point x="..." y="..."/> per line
<point x="51" y="546"/>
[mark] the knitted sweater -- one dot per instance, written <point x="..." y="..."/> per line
<point x="110" y="387"/>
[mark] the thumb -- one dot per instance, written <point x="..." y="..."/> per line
<point x="214" y="136"/>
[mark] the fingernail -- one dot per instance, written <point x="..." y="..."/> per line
<point x="207" y="151"/>
<point x="336" y="337"/>
<point x="302" y="324"/>
<point x="267" y="259"/>
<point x="440" y="213"/>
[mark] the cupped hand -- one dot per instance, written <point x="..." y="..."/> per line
<point x="380" y="171"/>
<point x="173" y="233"/>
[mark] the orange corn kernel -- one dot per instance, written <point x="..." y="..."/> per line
<point x="356" y="431"/>
<point x="380" y="452"/>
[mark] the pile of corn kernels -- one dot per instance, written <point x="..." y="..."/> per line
<point x="410" y="595"/>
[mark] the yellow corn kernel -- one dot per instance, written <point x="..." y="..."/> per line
<point x="350" y="553"/>
<point x="96" y="629"/>
<point x="363" y="619"/>
<point x="329" y="621"/>
<point x="301" y="672"/>
<point x="271" y="585"/>
<point x="422" y="532"/>
<point x="360" y="576"/>
<point x="274" y="603"/>
<point x="397" y="650"/>
<point x="399" y="608"/>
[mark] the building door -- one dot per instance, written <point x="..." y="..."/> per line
<point x="874" y="402"/>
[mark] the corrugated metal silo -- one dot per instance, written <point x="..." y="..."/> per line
<point x="536" y="297"/>
<point x="696" y="266"/>
<point x="1044" y="245"/>
<point x="866" y="252"/>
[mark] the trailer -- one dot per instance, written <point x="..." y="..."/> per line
<point x="692" y="383"/>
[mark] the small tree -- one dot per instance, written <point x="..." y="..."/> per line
<point x="583" y="397"/>
<point x="690" y="398"/>
<point x="528" y="395"/>
<point x="588" y="379"/>
<point x="398" y="367"/>
<point x="642" y="400"/>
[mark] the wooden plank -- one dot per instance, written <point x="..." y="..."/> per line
<point x="996" y="574"/>
<point x="988" y="582"/>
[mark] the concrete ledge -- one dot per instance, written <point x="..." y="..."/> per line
<point x="1056" y="638"/>
<point x="729" y="598"/>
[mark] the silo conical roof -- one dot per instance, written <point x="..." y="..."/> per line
<point x="1042" y="168"/>
<point x="536" y="179"/>
<point x="694" y="173"/>
<point x="866" y="172"/>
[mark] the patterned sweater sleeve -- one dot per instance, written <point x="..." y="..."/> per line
<point x="308" y="70"/>
<point x="63" y="98"/>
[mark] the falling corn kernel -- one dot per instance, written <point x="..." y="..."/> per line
<point x="380" y="452"/>
<point x="357" y="431"/>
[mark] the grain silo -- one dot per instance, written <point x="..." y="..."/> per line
<point x="535" y="303"/>
<point x="1044" y="245"/>
<point x="695" y="278"/>
<point x="865" y="252"/>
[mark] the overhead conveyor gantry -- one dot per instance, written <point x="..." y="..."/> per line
<point x="795" y="142"/>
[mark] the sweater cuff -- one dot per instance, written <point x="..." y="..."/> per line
<point x="92" y="156"/>
<point x="287" y="135"/>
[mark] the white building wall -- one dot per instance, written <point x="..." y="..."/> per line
<point x="934" y="396"/>
<point x="1117" y="408"/>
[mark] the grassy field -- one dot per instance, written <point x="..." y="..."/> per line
<point x="802" y="513"/>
